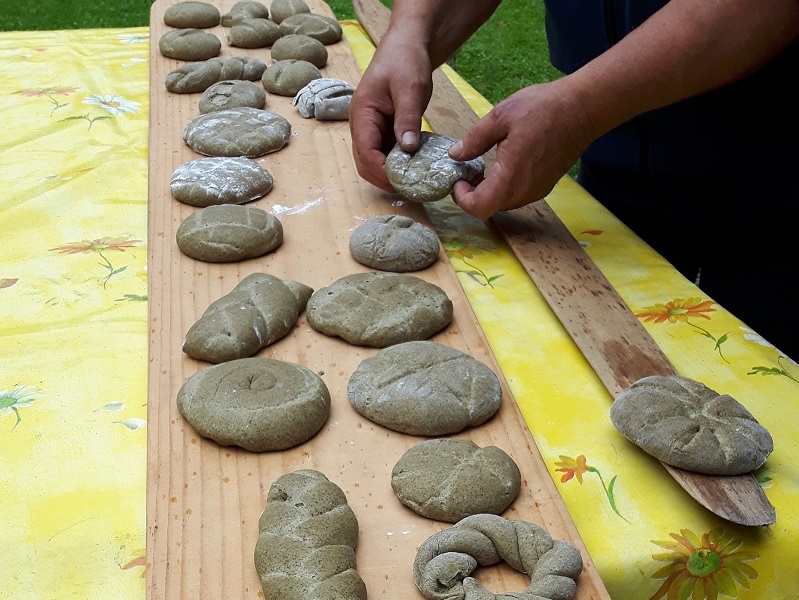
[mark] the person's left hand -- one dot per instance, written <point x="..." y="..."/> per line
<point x="540" y="132"/>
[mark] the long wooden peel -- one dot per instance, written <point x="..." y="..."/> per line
<point x="612" y="339"/>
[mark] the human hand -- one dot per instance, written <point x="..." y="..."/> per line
<point x="540" y="132"/>
<point x="388" y="104"/>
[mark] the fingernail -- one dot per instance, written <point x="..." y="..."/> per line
<point x="409" y="138"/>
<point x="456" y="149"/>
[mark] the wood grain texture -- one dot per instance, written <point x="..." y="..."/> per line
<point x="616" y="345"/>
<point x="203" y="500"/>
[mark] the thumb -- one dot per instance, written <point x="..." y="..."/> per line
<point x="409" y="104"/>
<point x="479" y="138"/>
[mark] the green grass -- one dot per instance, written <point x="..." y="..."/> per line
<point x="507" y="53"/>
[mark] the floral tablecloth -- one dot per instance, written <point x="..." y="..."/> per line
<point x="73" y="354"/>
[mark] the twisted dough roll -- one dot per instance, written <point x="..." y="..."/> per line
<point x="199" y="76"/>
<point x="306" y="549"/>
<point x="444" y="562"/>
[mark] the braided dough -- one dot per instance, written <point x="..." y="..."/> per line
<point x="444" y="562"/>
<point x="327" y="99"/>
<point x="260" y="310"/>
<point x="688" y="425"/>
<point x="306" y="546"/>
<point x="199" y="76"/>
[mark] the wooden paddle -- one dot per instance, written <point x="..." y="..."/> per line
<point x="610" y="336"/>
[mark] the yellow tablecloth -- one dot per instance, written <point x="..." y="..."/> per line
<point x="73" y="354"/>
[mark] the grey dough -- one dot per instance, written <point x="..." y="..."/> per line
<point x="253" y="33"/>
<point x="228" y="233"/>
<point x="189" y="44"/>
<point x="300" y="47"/>
<point x="394" y="243"/>
<point x="424" y="388"/>
<point x="688" y="425"/>
<point x="449" y="479"/>
<point x="429" y="173"/>
<point x="197" y="15"/>
<point x="325" y="29"/>
<point x="307" y="540"/>
<point x="445" y="560"/>
<point x="242" y="131"/>
<point x="219" y="180"/>
<point x="260" y="310"/>
<point x="259" y="404"/>
<point x="379" y="309"/>
<point x="282" y="9"/>
<point x="287" y="77"/>
<point x="232" y="94"/>
<point x="325" y="99"/>
<point x="199" y="76"/>
<point x="241" y="11"/>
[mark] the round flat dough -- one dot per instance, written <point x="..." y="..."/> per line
<point x="394" y="243"/>
<point x="282" y="9"/>
<point x="253" y="33"/>
<point x="199" y="76"/>
<point x="232" y="94"/>
<point x="449" y="479"/>
<point x="300" y="47"/>
<point x="424" y="388"/>
<point x="445" y="560"/>
<point x="191" y="14"/>
<point x="688" y="425"/>
<point x="242" y="131"/>
<point x="429" y="173"/>
<point x="229" y="233"/>
<point x="288" y="77"/>
<point x="379" y="309"/>
<point x="220" y="180"/>
<point x="241" y="11"/>
<point x="260" y="310"/>
<point x="189" y="44"/>
<point x="320" y="27"/>
<point x="259" y="404"/>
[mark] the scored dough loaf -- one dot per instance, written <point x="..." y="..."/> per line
<point x="307" y="541"/>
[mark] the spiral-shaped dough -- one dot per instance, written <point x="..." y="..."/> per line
<point x="445" y="560"/>
<point x="306" y="548"/>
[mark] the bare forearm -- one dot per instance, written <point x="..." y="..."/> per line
<point x="687" y="48"/>
<point x="442" y="26"/>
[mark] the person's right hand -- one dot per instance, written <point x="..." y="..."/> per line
<point x="388" y="104"/>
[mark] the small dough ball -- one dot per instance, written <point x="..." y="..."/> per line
<point x="189" y="44"/>
<point x="232" y="94"/>
<point x="288" y="77"/>
<point x="379" y="309"/>
<point x="394" y="243"/>
<point x="325" y="99"/>
<point x="282" y="9"/>
<point x="242" y="131"/>
<point x="424" y="388"/>
<point x="259" y="404"/>
<point x="190" y="14"/>
<point x="229" y="233"/>
<point x="689" y="426"/>
<point x="300" y="47"/>
<point x="219" y="180"/>
<point x="429" y="173"/>
<point x="450" y="479"/>
<point x="320" y="27"/>
<point x="253" y="33"/>
<point x="241" y="11"/>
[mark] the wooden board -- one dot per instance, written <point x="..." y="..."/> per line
<point x="203" y="500"/>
